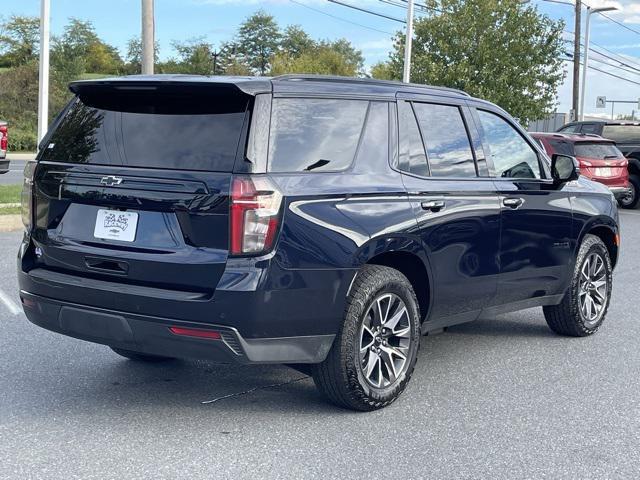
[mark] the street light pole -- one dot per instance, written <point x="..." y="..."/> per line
<point x="43" y="74"/>
<point x="406" y="74"/>
<point x="148" y="37"/>
<point x="576" y="60"/>
<point x="585" y="64"/>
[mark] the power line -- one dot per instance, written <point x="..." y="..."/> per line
<point x="340" y="18"/>
<point x="637" y="72"/>
<point x="421" y="6"/>
<point x="388" y="17"/>
<point x="603" y="71"/>
<point x="616" y="54"/>
<point x="637" y="32"/>
<point x="621" y="60"/>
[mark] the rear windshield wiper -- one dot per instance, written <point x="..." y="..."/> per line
<point x="610" y="156"/>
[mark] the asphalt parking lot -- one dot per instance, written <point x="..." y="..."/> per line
<point x="504" y="398"/>
<point x="16" y="168"/>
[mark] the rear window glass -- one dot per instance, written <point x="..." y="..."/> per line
<point x="599" y="151"/>
<point x="314" y="134"/>
<point x="622" y="133"/>
<point x="561" y="147"/>
<point x="152" y="129"/>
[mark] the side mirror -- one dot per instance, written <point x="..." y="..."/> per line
<point x="564" y="168"/>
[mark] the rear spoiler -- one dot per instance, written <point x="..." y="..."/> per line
<point x="247" y="85"/>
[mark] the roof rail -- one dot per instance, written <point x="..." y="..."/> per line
<point x="368" y="81"/>
<point x="589" y="135"/>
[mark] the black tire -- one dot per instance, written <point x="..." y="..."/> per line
<point x="568" y="318"/>
<point x="632" y="200"/>
<point x="341" y="378"/>
<point x="140" y="357"/>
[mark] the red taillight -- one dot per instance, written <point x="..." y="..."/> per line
<point x="4" y="137"/>
<point x="254" y="219"/>
<point x="195" y="332"/>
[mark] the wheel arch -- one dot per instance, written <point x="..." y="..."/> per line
<point x="608" y="232"/>
<point x="407" y="255"/>
<point x="634" y="163"/>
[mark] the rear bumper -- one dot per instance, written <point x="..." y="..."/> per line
<point x="152" y="335"/>
<point x="619" y="192"/>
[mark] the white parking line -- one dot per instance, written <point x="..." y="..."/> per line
<point x="10" y="304"/>
<point x="629" y="212"/>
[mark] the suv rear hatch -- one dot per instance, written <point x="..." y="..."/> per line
<point x="132" y="187"/>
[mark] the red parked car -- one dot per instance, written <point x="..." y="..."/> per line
<point x="599" y="158"/>
<point x="4" y="139"/>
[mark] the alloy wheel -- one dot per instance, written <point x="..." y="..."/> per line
<point x="385" y="340"/>
<point x="628" y="198"/>
<point x="593" y="288"/>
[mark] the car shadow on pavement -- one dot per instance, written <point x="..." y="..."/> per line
<point x="503" y="326"/>
<point x="205" y="385"/>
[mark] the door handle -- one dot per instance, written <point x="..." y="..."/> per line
<point x="513" y="202"/>
<point x="433" y="205"/>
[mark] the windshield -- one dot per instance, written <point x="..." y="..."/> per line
<point x="597" y="150"/>
<point x="174" y="130"/>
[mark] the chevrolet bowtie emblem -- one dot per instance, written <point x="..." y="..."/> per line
<point x="110" y="180"/>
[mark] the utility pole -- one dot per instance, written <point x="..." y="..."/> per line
<point x="215" y="55"/>
<point x="585" y="64"/>
<point x="148" y="37"/>
<point x="406" y="74"/>
<point x="576" y="60"/>
<point x="43" y="74"/>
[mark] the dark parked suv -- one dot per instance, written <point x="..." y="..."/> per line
<point x="303" y="220"/>
<point x="627" y="138"/>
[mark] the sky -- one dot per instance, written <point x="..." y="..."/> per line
<point x="116" y="21"/>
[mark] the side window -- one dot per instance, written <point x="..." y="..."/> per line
<point x="446" y="140"/>
<point x="412" y="156"/>
<point x="512" y="156"/>
<point x="314" y="134"/>
<point x="374" y="147"/>
<point x="589" y="128"/>
<point x="570" y="129"/>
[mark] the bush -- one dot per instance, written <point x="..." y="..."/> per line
<point x="22" y="139"/>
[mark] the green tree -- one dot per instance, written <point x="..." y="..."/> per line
<point x="79" y="50"/>
<point x="19" y="38"/>
<point x="296" y="41"/>
<point x="258" y="40"/>
<point x="352" y="55"/>
<point x="502" y="50"/>
<point x="231" y="62"/>
<point x="194" y="57"/>
<point x="133" y="57"/>
<point x="383" y="71"/>
<point x="321" y="60"/>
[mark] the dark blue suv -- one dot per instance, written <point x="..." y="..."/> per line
<point x="303" y="220"/>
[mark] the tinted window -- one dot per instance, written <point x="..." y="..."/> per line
<point x="154" y="129"/>
<point x="570" y="129"/>
<point x="314" y="134"/>
<point x="561" y="147"/>
<point x="590" y="128"/>
<point x="374" y="148"/>
<point x="446" y="140"/>
<point x="512" y="156"/>
<point x="412" y="155"/>
<point x="599" y="151"/>
<point x="622" y="133"/>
